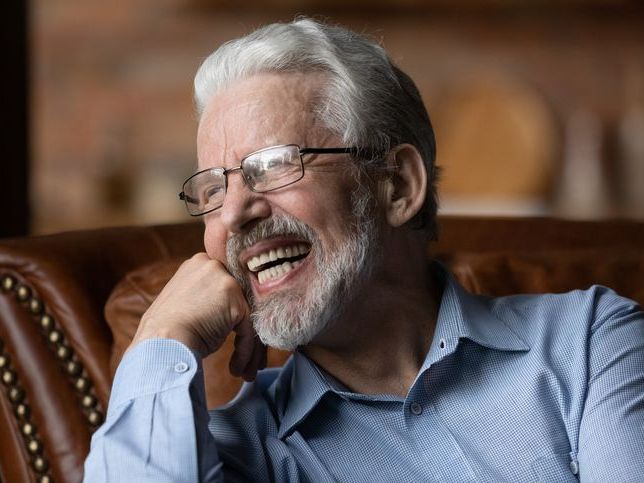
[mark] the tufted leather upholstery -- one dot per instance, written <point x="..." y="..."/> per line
<point x="56" y="347"/>
<point x="64" y="281"/>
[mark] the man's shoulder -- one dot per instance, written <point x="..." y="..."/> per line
<point x="570" y="315"/>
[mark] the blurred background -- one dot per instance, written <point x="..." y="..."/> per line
<point x="538" y="105"/>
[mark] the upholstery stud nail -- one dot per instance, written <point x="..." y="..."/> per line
<point x="55" y="336"/>
<point x="28" y="429"/>
<point x="63" y="352"/>
<point x="16" y="395"/>
<point x="4" y="361"/>
<point x="94" y="417"/>
<point x="8" y="377"/>
<point x="22" y="411"/>
<point x="82" y="384"/>
<point x="40" y="464"/>
<point x="35" y="305"/>
<point x="34" y="446"/>
<point x="23" y="293"/>
<point x="73" y="368"/>
<point x="46" y="322"/>
<point x="45" y="479"/>
<point x="88" y="401"/>
<point x="8" y="283"/>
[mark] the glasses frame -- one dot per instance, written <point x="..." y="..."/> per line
<point x="224" y="172"/>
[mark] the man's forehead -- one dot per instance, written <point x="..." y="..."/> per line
<point x="259" y="111"/>
<point x="291" y="87"/>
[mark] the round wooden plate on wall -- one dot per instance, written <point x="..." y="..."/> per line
<point x="498" y="143"/>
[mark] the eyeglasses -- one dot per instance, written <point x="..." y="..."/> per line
<point x="265" y="170"/>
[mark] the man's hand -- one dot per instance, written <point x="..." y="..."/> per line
<point x="200" y="305"/>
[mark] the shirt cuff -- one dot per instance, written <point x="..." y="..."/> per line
<point x="151" y="367"/>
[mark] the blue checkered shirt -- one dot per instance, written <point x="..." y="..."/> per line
<point x="521" y="388"/>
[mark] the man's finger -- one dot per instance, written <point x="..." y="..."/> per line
<point x="244" y="347"/>
<point x="257" y="361"/>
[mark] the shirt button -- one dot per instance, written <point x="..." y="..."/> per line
<point x="416" y="408"/>
<point x="574" y="467"/>
<point x="442" y="344"/>
<point x="180" y="367"/>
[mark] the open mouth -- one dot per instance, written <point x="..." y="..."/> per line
<point x="276" y="262"/>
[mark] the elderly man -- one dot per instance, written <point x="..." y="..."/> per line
<point x="316" y="185"/>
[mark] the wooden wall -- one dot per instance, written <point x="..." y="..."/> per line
<point x="538" y="106"/>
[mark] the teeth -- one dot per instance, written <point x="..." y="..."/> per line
<point x="276" y="254"/>
<point x="276" y="271"/>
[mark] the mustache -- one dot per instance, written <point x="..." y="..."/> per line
<point x="273" y="227"/>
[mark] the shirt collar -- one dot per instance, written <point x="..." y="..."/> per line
<point x="465" y="315"/>
<point x="307" y="387"/>
<point x="461" y="315"/>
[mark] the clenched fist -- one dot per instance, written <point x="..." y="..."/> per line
<point x="200" y="305"/>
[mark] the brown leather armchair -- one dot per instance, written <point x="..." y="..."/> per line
<point x="69" y="304"/>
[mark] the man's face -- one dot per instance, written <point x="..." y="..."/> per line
<point x="322" y="242"/>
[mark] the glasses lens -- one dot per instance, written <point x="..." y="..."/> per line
<point x="204" y="191"/>
<point x="273" y="168"/>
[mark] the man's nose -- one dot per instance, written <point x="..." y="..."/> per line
<point x="242" y="207"/>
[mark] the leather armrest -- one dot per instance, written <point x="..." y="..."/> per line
<point x="54" y="342"/>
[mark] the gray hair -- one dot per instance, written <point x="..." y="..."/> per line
<point x="368" y="101"/>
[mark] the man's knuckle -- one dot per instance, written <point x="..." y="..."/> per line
<point x="199" y="257"/>
<point x="230" y="286"/>
<point x="237" y="312"/>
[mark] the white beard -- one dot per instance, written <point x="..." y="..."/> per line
<point x="287" y="320"/>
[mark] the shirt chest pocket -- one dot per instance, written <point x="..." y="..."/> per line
<point x="555" y="468"/>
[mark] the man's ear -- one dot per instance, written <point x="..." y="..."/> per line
<point x="406" y="187"/>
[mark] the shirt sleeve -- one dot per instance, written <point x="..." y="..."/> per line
<point x="611" y="438"/>
<point x="156" y="429"/>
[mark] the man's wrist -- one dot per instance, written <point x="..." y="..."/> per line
<point x="153" y="366"/>
<point x="186" y="337"/>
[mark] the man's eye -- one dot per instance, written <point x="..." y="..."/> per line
<point x="255" y="170"/>
<point x="211" y="191"/>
